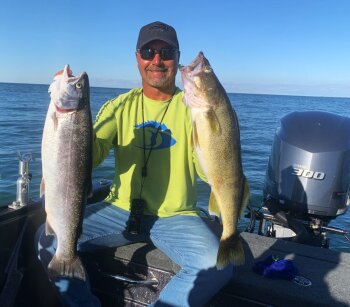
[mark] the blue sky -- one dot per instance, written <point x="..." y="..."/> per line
<point x="293" y="47"/>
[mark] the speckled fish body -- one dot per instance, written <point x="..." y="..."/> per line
<point x="66" y="167"/>
<point x="216" y="139"/>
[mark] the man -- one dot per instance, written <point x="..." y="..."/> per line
<point x="153" y="194"/>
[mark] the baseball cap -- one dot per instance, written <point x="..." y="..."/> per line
<point x="157" y="31"/>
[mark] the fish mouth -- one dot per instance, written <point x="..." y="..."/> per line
<point x="198" y="62"/>
<point x="67" y="90"/>
<point x="195" y="67"/>
<point x="199" y="65"/>
<point x="67" y="74"/>
<point x="66" y="71"/>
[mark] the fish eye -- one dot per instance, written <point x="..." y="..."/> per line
<point x="78" y="85"/>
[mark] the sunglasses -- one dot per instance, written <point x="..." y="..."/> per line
<point x="165" y="54"/>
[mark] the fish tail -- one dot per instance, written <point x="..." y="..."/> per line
<point x="230" y="250"/>
<point x="72" y="268"/>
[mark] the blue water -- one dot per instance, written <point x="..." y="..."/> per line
<point x="24" y="107"/>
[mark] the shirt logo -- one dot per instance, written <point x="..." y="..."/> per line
<point x="153" y="140"/>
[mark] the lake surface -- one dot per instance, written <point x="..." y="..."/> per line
<point x="24" y="107"/>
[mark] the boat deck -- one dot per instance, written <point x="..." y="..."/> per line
<point x="328" y="271"/>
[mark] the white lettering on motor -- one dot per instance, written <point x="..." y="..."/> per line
<point x="305" y="173"/>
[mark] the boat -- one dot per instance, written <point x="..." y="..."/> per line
<point x="307" y="185"/>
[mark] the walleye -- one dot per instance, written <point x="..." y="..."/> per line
<point x="66" y="167"/>
<point x="216" y="140"/>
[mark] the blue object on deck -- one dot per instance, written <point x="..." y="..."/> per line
<point x="274" y="268"/>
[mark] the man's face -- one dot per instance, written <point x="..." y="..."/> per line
<point x="158" y="73"/>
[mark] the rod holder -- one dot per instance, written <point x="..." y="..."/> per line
<point x="23" y="181"/>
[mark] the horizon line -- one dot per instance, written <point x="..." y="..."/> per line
<point x="234" y="93"/>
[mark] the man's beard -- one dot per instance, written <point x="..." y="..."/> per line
<point x="161" y="82"/>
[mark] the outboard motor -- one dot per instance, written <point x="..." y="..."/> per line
<point x="308" y="177"/>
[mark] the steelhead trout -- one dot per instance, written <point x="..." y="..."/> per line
<point x="216" y="139"/>
<point x="66" y="166"/>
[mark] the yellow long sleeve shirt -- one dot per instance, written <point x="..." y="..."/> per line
<point x="170" y="185"/>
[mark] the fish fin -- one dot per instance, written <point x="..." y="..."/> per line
<point x="195" y="135"/>
<point x="246" y="195"/>
<point x="213" y="121"/>
<point x="213" y="206"/>
<point x="230" y="250"/>
<point x="73" y="268"/>
<point x="48" y="229"/>
<point x="42" y="187"/>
